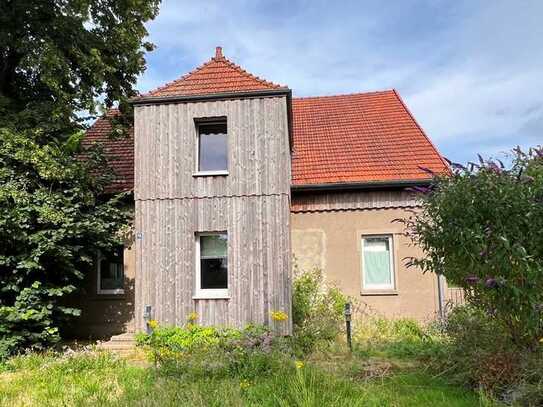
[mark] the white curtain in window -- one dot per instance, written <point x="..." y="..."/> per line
<point x="377" y="262"/>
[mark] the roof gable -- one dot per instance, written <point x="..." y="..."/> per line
<point x="218" y="75"/>
<point x="364" y="138"/>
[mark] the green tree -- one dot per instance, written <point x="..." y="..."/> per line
<point x="482" y="228"/>
<point x="59" y="60"/>
<point x="59" y="57"/>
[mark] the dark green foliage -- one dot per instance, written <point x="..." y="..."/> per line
<point x="51" y="225"/>
<point x="58" y="57"/>
<point x="478" y="352"/>
<point x="482" y="228"/>
<point x="317" y="310"/>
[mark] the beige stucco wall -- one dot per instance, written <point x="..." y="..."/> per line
<point x="105" y="315"/>
<point x="331" y="240"/>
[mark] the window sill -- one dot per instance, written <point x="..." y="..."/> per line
<point x="370" y="293"/>
<point x="210" y="297"/>
<point x="111" y="293"/>
<point x="210" y="173"/>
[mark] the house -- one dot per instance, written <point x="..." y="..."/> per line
<point x="234" y="181"/>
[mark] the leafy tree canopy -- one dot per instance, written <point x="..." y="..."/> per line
<point x="58" y="57"/>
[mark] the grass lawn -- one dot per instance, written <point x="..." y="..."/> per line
<point x="336" y="379"/>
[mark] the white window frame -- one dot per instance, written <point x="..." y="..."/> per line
<point x="204" y="122"/>
<point x="99" y="290"/>
<point x="379" y="287"/>
<point x="208" y="293"/>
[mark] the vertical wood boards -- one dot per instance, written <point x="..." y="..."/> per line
<point x="251" y="203"/>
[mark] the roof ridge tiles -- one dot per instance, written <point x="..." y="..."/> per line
<point x="217" y="75"/>
<point x="373" y="92"/>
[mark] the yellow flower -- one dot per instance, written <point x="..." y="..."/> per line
<point x="244" y="384"/>
<point x="299" y="364"/>
<point x="193" y="316"/>
<point x="541" y="340"/>
<point x="153" y="324"/>
<point x="279" y="316"/>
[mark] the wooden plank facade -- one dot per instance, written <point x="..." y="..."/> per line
<point x="251" y="204"/>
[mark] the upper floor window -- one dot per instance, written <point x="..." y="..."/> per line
<point x="377" y="263"/>
<point x="212" y="147"/>
<point x="110" y="272"/>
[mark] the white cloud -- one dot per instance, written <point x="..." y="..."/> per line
<point x="470" y="71"/>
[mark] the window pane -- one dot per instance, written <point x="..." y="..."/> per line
<point x="377" y="267"/>
<point x="213" y="246"/>
<point x="214" y="273"/>
<point x="112" y="270"/>
<point x="213" y="147"/>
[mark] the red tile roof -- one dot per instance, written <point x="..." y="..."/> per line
<point x="218" y="75"/>
<point x="359" y="138"/>
<point x="119" y="151"/>
<point x="356" y="138"/>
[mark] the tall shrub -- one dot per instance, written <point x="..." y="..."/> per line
<point x="52" y="222"/>
<point x="317" y="310"/>
<point x="482" y="228"/>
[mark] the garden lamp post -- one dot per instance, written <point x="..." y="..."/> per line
<point x="348" y="313"/>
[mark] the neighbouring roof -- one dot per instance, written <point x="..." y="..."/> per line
<point x="218" y="75"/>
<point x="359" y="138"/>
<point x="119" y="151"/>
<point x="363" y="138"/>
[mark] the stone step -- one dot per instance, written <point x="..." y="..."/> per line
<point x="123" y="342"/>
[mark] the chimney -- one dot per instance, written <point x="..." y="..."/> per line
<point x="218" y="53"/>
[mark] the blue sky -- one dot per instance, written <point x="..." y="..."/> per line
<point x="470" y="71"/>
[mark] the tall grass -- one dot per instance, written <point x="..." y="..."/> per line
<point x="400" y="338"/>
<point x="99" y="378"/>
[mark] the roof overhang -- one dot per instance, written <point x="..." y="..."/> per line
<point x="146" y="100"/>
<point x="349" y="186"/>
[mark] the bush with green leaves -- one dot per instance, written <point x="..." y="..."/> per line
<point x="215" y="352"/>
<point x="482" y="228"/>
<point x="477" y="352"/>
<point x="52" y="222"/>
<point x="317" y="310"/>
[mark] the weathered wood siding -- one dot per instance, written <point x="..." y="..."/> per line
<point x="340" y="201"/>
<point x="251" y="204"/>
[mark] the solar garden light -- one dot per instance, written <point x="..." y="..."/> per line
<point x="147" y="317"/>
<point x="348" y="312"/>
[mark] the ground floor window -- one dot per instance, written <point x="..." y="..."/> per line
<point x="110" y="271"/>
<point x="212" y="265"/>
<point x="377" y="263"/>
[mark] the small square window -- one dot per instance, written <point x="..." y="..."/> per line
<point x="377" y="263"/>
<point x="110" y="270"/>
<point x="212" y="265"/>
<point x="212" y="147"/>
